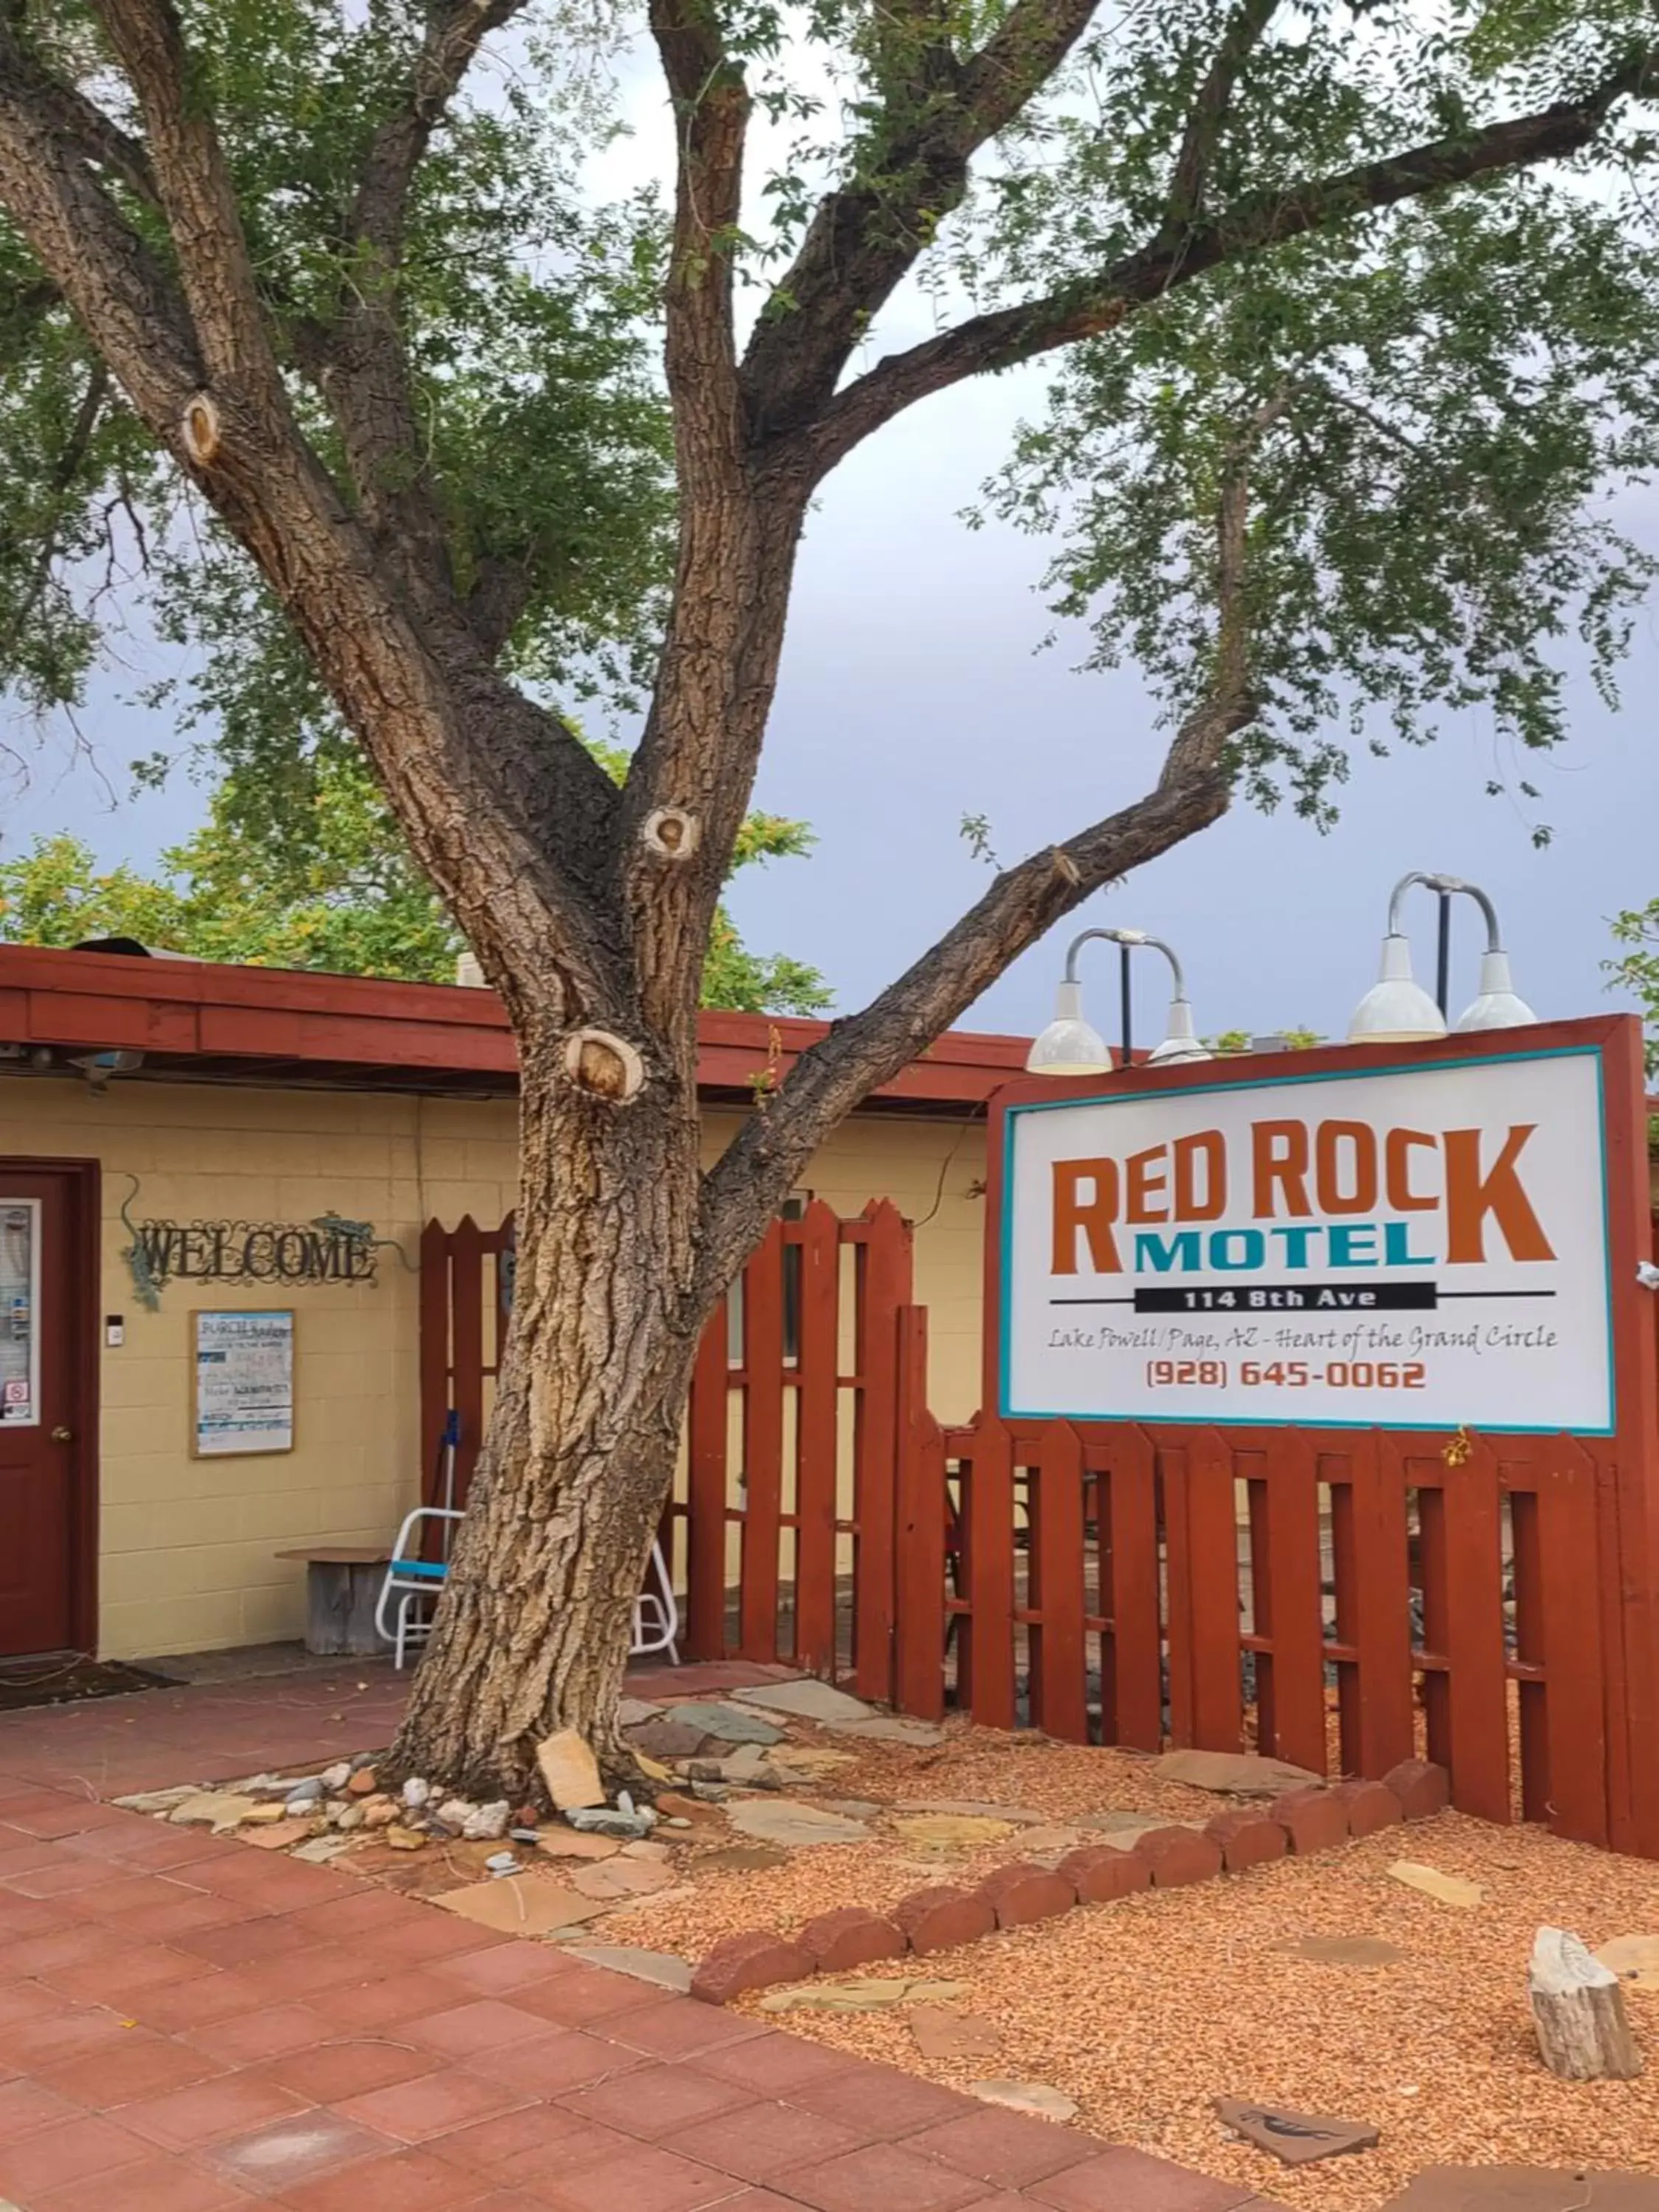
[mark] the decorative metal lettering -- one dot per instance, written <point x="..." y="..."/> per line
<point x="328" y="1250"/>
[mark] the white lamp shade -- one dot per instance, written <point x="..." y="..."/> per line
<point x="1069" y="1046"/>
<point x="1497" y="1007"/>
<point x="1180" y="1040"/>
<point x="1396" y="1010"/>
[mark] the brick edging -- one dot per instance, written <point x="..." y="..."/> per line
<point x="947" y="1915"/>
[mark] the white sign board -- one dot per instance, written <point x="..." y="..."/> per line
<point x="243" y="1384"/>
<point x="1420" y="1247"/>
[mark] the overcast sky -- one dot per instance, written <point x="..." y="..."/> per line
<point x="912" y="693"/>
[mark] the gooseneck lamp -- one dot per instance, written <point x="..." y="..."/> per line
<point x="1070" y="1046"/>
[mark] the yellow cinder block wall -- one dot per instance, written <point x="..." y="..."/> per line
<point x="188" y="1555"/>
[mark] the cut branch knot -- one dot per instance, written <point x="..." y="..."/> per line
<point x="201" y="427"/>
<point x="670" y="833"/>
<point x="604" y="1066"/>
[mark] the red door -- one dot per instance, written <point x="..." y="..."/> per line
<point x="41" y="1607"/>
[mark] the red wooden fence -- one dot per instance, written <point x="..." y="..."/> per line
<point x="779" y="1533"/>
<point x="1343" y="1599"/>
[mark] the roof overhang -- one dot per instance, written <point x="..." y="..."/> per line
<point x="200" y="1022"/>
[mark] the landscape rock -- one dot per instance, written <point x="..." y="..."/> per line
<point x="567" y="1843"/>
<point x="617" y="1878"/>
<point x="806" y="1700"/>
<point x="941" y="2033"/>
<point x="1241" y="1773"/>
<point x="630" y="1712"/>
<point x="1314" y="1819"/>
<point x="1634" y="1959"/>
<point x="263" y="1815"/>
<point x="940" y="1917"/>
<point x="796" y="1825"/>
<point x="348" y="1817"/>
<point x="625" y="1822"/>
<point x="415" y="1792"/>
<point x="160" y="1801"/>
<point x="807" y="1760"/>
<point x="742" y="1859"/>
<point x="501" y="1862"/>
<point x="519" y="1906"/>
<point x="1444" y="1888"/>
<point x="362" y="1783"/>
<point x="455" y="1813"/>
<point x="1248" y="1839"/>
<point x="1423" y="1788"/>
<point x="319" y="1849"/>
<point x="727" y="1722"/>
<point x="1099" y="1873"/>
<point x="891" y="1728"/>
<point x="1294" y="2138"/>
<point x="487" y="1823"/>
<point x="851" y="1937"/>
<point x="1024" y="1893"/>
<point x="950" y="1832"/>
<point x="1371" y="1806"/>
<point x="667" y="1737"/>
<point x="379" y="1812"/>
<point x="404" y="1840"/>
<point x="306" y="1798"/>
<point x="1039" y="2099"/>
<point x="1177" y="1857"/>
<point x="972" y="1808"/>
<point x="220" y="1810"/>
<point x="862" y="1993"/>
<point x="334" y="1779"/>
<point x="570" y="1771"/>
<point x="278" y="1835"/>
<point x="756" y="1960"/>
<point x="657" y="1854"/>
<point x="1345" y="1950"/>
<point x="661" y="1967"/>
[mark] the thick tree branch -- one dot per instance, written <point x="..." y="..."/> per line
<point x="750" y="1181"/>
<point x="1098" y="303"/>
<point x="1245" y="30"/>
<point x="192" y="182"/>
<point x="360" y="364"/>
<point x="78" y="444"/>
<point x="912" y="172"/>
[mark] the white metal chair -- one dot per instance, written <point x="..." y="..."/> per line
<point x="415" y="1582"/>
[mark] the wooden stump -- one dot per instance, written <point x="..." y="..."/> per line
<point x="1578" y="2010"/>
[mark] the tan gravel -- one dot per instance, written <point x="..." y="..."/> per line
<point x="1144" y="2010"/>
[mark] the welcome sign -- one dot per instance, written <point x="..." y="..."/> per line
<point x="1422" y="1247"/>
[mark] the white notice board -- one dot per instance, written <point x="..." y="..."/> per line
<point x="242" y="1366"/>
<point x="1421" y="1247"/>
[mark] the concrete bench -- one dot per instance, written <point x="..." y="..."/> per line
<point x="342" y="1588"/>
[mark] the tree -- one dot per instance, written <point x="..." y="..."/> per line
<point x="337" y="892"/>
<point x="1637" y="968"/>
<point x="1355" y="314"/>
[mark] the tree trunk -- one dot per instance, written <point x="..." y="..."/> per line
<point x="533" y="1627"/>
<point x="1578" y="2010"/>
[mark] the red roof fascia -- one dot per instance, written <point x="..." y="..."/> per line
<point x="187" y="1010"/>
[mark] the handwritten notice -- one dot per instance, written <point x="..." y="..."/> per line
<point x="243" y="1395"/>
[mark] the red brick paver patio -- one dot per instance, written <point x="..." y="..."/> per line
<point x="190" y="2025"/>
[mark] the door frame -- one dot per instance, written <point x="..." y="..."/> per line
<point x="85" y="1257"/>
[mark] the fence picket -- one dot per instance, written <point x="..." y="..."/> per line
<point x="1059" y="1684"/>
<point x="818" y="1237"/>
<point x="918" y="1663"/>
<point x="990" y="1575"/>
<point x="763" y="1447"/>
<point x="707" y="1525"/>
<point x="883" y="1288"/>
